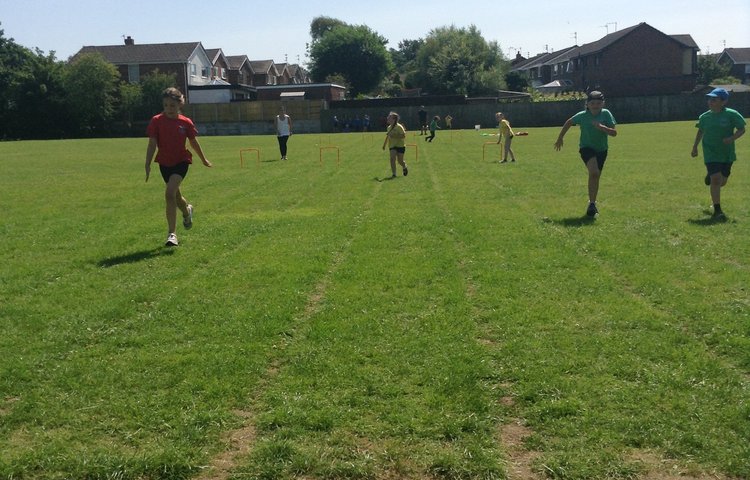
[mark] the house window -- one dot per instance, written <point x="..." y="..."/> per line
<point x="193" y="69"/>
<point x="570" y="67"/>
<point x="597" y="60"/>
<point x="223" y="73"/>
<point x="134" y="73"/>
<point x="204" y="72"/>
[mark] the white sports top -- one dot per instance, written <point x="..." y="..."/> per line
<point x="282" y="126"/>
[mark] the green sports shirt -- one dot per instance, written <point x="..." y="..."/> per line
<point x="591" y="136"/>
<point x="716" y="127"/>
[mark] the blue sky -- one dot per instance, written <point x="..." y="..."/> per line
<point x="280" y="30"/>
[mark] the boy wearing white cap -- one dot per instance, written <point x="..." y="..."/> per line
<point x="718" y="129"/>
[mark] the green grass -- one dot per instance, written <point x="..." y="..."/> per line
<point x="350" y="327"/>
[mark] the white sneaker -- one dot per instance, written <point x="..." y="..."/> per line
<point x="187" y="222"/>
<point x="171" y="240"/>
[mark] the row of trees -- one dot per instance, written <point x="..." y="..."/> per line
<point x="449" y="60"/>
<point x="42" y="97"/>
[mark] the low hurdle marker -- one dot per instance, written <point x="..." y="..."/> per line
<point x="257" y="155"/>
<point x="330" y="147"/>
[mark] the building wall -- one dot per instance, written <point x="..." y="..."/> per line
<point x="645" y="62"/>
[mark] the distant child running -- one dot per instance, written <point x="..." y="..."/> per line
<point x="433" y="127"/>
<point x="718" y="129"/>
<point x="167" y="132"/>
<point x="395" y="138"/>
<point x="449" y="121"/>
<point x="597" y="124"/>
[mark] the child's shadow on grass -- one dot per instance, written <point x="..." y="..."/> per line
<point x="571" y="222"/>
<point x="384" y="179"/>
<point x="135" y="257"/>
<point x="709" y="220"/>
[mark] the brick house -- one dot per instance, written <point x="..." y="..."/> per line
<point x="219" y="64"/>
<point x="738" y="60"/>
<point x="635" y="61"/>
<point x="264" y="72"/>
<point x="189" y="62"/>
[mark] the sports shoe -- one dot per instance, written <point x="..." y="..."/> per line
<point x="406" y="171"/>
<point x="171" y="240"/>
<point x="592" y="210"/>
<point x="187" y="222"/>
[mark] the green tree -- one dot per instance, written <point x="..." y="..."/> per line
<point x="459" y="61"/>
<point x="91" y="84"/>
<point x="31" y="93"/>
<point x="39" y="100"/>
<point x="516" y="82"/>
<point x="405" y="57"/>
<point x="356" y="53"/>
<point x="710" y="70"/>
<point x="322" y="25"/>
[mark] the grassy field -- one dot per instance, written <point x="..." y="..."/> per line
<point x="320" y="322"/>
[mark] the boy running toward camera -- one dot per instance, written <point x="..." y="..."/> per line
<point x="597" y="124"/>
<point x="168" y="132"/>
<point x="718" y="129"/>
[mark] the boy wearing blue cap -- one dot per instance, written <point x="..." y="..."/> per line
<point x="718" y="129"/>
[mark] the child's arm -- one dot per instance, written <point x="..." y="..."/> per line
<point x="290" y="124"/>
<point x="565" y="128"/>
<point x="737" y="134"/>
<point x="385" y="142"/>
<point x="608" y="130"/>
<point x="197" y="148"/>
<point x="698" y="138"/>
<point x="150" y="150"/>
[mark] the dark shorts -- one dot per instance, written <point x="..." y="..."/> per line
<point x="718" y="167"/>
<point x="399" y="149"/>
<point x="589" y="153"/>
<point x="180" y="169"/>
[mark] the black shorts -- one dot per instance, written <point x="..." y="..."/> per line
<point x="399" y="149"/>
<point x="180" y="169"/>
<point x="719" y="167"/>
<point x="589" y="153"/>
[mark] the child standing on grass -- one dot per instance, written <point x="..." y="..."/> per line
<point x="597" y="123"/>
<point x="718" y="129"/>
<point x="167" y="132"/>
<point x="433" y="127"/>
<point x="395" y="138"/>
<point x="505" y="135"/>
<point x="283" y="130"/>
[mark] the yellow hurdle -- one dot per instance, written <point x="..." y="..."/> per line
<point x="257" y="155"/>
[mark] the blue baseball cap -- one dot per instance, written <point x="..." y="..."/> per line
<point x="719" y="93"/>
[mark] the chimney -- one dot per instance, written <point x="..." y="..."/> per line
<point x="129" y="40"/>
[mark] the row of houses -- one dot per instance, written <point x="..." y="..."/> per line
<point x="210" y="76"/>
<point x="635" y="61"/>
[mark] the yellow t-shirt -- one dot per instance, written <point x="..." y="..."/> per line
<point x="396" y="136"/>
<point x="505" y="130"/>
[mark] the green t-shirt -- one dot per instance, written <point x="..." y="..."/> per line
<point x="591" y="136"/>
<point x="716" y="127"/>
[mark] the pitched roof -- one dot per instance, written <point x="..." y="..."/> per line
<point x="214" y="54"/>
<point x="608" y="40"/>
<point x="542" y="59"/>
<point x="686" y="40"/>
<point x="236" y="62"/>
<point x="737" y="55"/>
<point x="263" y="66"/>
<point x="146" y="53"/>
